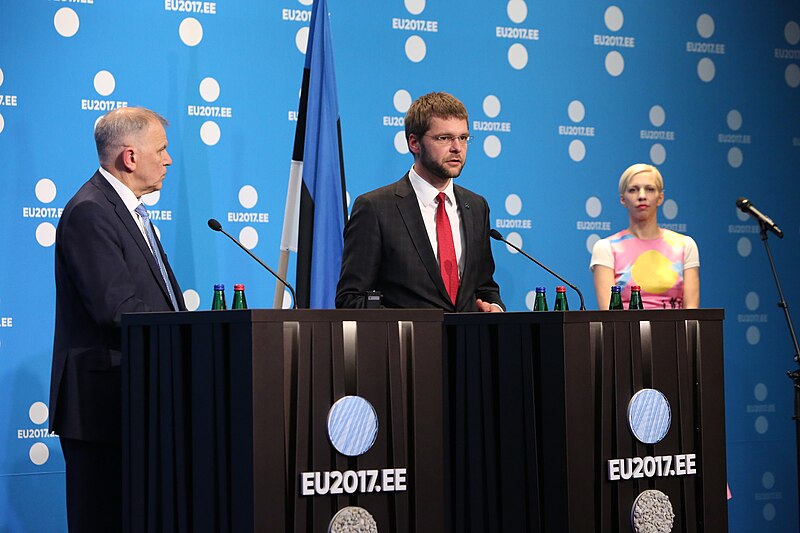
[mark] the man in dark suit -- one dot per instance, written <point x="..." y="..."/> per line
<point x="108" y="261"/>
<point x="423" y="241"/>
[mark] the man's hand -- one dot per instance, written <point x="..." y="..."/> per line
<point x="487" y="307"/>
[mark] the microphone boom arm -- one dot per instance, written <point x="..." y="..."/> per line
<point x="497" y="236"/>
<point x="216" y="226"/>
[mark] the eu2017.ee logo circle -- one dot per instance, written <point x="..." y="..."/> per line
<point x="649" y="416"/>
<point x="352" y="425"/>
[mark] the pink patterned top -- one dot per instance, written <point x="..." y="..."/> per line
<point x="656" y="265"/>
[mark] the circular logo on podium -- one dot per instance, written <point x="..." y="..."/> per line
<point x="652" y="512"/>
<point x="352" y="425"/>
<point x="649" y="416"/>
<point x="353" y="520"/>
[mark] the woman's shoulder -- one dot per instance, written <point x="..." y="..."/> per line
<point x="608" y="244"/>
<point x="619" y="236"/>
<point x="675" y="238"/>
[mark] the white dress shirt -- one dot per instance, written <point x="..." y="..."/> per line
<point x="428" y="204"/>
<point x="130" y="201"/>
<point x="426" y="196"/>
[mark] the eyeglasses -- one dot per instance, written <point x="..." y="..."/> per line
<point x="448" y="139"/>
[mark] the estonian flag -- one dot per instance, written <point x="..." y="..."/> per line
<point x="316" y="208"/>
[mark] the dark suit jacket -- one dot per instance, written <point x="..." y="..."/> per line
<point x="386" y="248"/>
<point x="103" y="268"/>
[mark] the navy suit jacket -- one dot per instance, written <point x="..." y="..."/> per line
<point x="103" y="268"/>
<point x="386" y="248"/>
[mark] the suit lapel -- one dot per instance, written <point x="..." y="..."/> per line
<point x="408" y="205"/>
<point x="136" y="234"/>
<point x="467" y="234"/>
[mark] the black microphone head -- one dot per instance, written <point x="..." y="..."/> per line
<point x="213" y="224"/>
<point x="742" y="203"/>
<point x="496" y="235"/>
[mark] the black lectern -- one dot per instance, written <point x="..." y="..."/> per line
<point x="538" y="419"/>
<point x="501" y="422"/>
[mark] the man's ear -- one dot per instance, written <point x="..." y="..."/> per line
<point x="129" y="157"/>
<point x="413" y="143"/>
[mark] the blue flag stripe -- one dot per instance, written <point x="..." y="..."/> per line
<point x="322" y="206"/>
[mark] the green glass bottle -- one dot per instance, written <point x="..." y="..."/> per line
<point x="616" y="298"/>
<point x="636" y="298"/>
<point x="561" y="299"/>
<point x="218" y="303"/>
<point x="239" y="301"/>
<point x="540" y="303"/>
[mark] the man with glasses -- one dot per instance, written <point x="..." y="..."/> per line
<point x="423" y="241"/>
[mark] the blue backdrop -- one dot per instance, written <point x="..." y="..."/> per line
<point x="563" y="96"/>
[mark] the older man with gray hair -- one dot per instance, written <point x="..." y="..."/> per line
<point x="108" y="261"/>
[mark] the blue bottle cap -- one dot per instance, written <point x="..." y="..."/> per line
<point x="616" y="288"/>
<point x="219" y="287"/>
<point x="541" y="289"/>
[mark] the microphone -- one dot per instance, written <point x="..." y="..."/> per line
<point x="496" y="235"/>
<point x="747" y="207"/>
<point x="216" y="226"/>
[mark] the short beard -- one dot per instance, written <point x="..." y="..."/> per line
<point x="438" y="169"/>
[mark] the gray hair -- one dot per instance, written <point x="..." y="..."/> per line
<point x="116" y="127"/>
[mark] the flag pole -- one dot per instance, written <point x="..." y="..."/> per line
<point x="291" y="222"/>
<point x="283" y="267"/>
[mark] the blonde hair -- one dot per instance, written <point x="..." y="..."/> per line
<point x="638" y="168"/>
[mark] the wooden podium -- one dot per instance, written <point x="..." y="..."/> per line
<point x="498" y="422"/>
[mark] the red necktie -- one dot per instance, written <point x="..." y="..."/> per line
<point x="448" y="265"/>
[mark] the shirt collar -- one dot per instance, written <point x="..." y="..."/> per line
<point x="128" y="198"/>
<point x="427" y="193"/>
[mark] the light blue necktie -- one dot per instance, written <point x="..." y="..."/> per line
<point x="151" y="236"/>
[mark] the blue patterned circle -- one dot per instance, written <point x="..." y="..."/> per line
<point x="352" y="425"/>
<point x="649" y="415"/>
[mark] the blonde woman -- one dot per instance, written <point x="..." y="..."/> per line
<point x="665" y="264"/>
